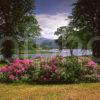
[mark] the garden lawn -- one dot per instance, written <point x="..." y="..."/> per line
<point x="89" y="91"/>
<point x="1" y="65"/>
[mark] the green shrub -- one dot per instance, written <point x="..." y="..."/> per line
<point x="51" y="70"/>
<point x="90" y="71"/>
<point x="71" y="70"/>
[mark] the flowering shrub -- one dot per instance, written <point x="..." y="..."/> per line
<point x="92" y="64"/>
<point x="90" y="71"/>
<point x="46" y="70"/>
<point x="71" y="70"/>
<point x="51" y="70"/>
<point x="16" y="71"/>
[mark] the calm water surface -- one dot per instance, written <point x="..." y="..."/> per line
<point x="64" y="53"/>
<point x="54" y="52"/>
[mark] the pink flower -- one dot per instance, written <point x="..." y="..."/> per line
<point x="53" y="68"/>
<point x="92" y="64"/>
<point x="23" y="69"/>
<point x="97" y="76"/>
<point x="26" y="61"/>
<point x="12" y="77"/>
<point x="46" y="78"/>
<point x="17" y="65"/>
<point x="17" y="61"/>
<point x="4" y="69"/>
<point x="18" y="72"/>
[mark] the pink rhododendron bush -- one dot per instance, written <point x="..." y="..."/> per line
<point x="16" y="71"/>
<point x="91" y="71"/>
<point x="51" y="70"/>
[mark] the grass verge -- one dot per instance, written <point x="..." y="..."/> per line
<point x="86" y="91"/>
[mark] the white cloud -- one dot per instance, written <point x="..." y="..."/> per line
<point x="50" y="23"/>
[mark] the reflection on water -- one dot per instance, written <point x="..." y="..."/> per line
<point x="54" y="52"/>
<point x="64" y="53"/>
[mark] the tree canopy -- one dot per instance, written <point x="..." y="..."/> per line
<point x="86" y="17"/>
<point x="17" y="19"/>
<point x="67" y="38"/>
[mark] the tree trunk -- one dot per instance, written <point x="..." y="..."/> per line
<point x="71" y="52"/>
<point x="96" y="49"/>
<point x="8" y="49"/>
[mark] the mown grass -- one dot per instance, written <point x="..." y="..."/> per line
<point x="2" y="64"/>
<point x="50" y="92"/>
<point x="34" y="52"/>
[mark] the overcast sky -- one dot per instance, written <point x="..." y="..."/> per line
<point x="52" y="14"/>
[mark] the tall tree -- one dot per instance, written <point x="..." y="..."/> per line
<point x="86" y="16"/>
<point x="67" y="38"/>
<point x="17" y="20"/>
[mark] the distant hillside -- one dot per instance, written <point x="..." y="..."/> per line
<point x="44" y="42"/>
